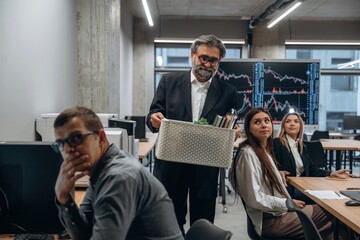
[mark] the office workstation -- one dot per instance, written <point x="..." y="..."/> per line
<point x="54" y="72"/>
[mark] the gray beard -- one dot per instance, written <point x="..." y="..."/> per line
<point x="204" y="73"/>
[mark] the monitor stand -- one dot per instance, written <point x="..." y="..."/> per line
<point x="143" y="140"/>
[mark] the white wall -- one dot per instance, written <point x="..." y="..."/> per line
<point x="38" y="59"/>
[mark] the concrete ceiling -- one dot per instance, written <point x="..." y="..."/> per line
<point x="246" y="9"/>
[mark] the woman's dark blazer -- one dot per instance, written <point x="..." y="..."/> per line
<point x="286" y="161"/>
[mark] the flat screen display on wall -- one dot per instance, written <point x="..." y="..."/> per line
<point x="277" y="85"/>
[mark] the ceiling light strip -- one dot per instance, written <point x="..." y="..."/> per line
<point x="147" y="12"/>
<point x="240" y="41"/>
<point x="336" y="43"/>
<point x="348" y="64"/>
<point x="287" y="12"/>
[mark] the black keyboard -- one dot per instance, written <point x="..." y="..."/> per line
<point x="34" y="236"/>
<point x="354" y="195"/>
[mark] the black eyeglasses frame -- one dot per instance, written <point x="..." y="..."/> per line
<point x="206" y="59"/>
<point x="73" y="140"/>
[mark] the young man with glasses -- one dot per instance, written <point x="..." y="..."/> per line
<point x="123" y="200"/>
<point x="189" y="96"/>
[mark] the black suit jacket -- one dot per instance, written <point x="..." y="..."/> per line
<point x="173" y="100"/>
<point x="286" y="162"/>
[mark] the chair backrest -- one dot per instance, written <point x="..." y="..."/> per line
<point x="305" y="137"/>
<point x="316" y="153"/>
<point x="310" y="230"/>
<point x="317" y="135"/>
<point x="202" y="229"/>
<point x="251" y="230"/>
<point x="253" y="235"/>
<point x="357" y="137"/>
<point x="250" y="226"/>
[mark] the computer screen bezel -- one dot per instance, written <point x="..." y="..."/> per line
<point x="314" y="122"/>
<point x="351" y="122"/>
<point x="29" y="187"/>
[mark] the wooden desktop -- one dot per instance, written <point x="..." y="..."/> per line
<point x="146" y="149"/>
<point x="336" y="207"/>
<point x="340" y="145"/>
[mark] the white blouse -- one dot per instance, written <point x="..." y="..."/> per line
<point x="295" y="152"/>
<point x="252" y="188"/>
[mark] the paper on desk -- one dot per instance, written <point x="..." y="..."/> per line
<point x="326" y="194"/>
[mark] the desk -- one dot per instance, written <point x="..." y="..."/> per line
<point x="341" y="145"/>
<point x="335" y="135"/>
<point x="147" y="148"/>
<point x="79" y="196"/>
<point x="348" y="215"/>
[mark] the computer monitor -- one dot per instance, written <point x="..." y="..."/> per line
<point x="28" y="172"/>
<point x="277" y="85"/>
<point x="140" y="132"/>
<point x="351" y="122"/>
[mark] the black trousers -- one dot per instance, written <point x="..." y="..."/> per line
<point x="183" y="188"/>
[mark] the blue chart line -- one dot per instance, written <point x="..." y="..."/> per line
<point x="285" y="77"/>
<point x="272" y="103"/>
<point x="224" y="76"/>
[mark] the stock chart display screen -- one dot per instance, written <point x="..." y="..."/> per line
<point x="275" y="85"/>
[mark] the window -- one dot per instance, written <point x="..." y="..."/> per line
<point x="336" y="61"/>
<point x="343" y="83"/>
<point x="172" y="56"/>
<point x="339" y="92"/>
<point x="303" y="54"/>
<point x="334" y="120"/>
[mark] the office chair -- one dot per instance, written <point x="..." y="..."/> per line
<point x="305" y="137"/>
<point x="316" y="153"/>
<point x="310" y="230"/>
<point x="253" y="235"/>
<point x="355" y="158"/>
<point x="317" y="135"/>
<point x="202" y="229"/>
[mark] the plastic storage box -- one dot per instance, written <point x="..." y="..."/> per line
<point x="186" y="142"/>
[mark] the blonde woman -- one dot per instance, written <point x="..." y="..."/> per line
<point x="292" y="155"/>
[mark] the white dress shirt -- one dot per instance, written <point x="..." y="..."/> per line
<point x="295" y="152"/>
<point x="252" y="188"/>
<point x="198" y="95"/>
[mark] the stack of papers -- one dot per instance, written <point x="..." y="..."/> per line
<point x="326" y="194"/>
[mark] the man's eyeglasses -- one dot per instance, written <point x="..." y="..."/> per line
<point x="73" y="140"/>
<point x="206" y="59"/>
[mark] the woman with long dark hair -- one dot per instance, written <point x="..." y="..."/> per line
<point x="255" y="177"/>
